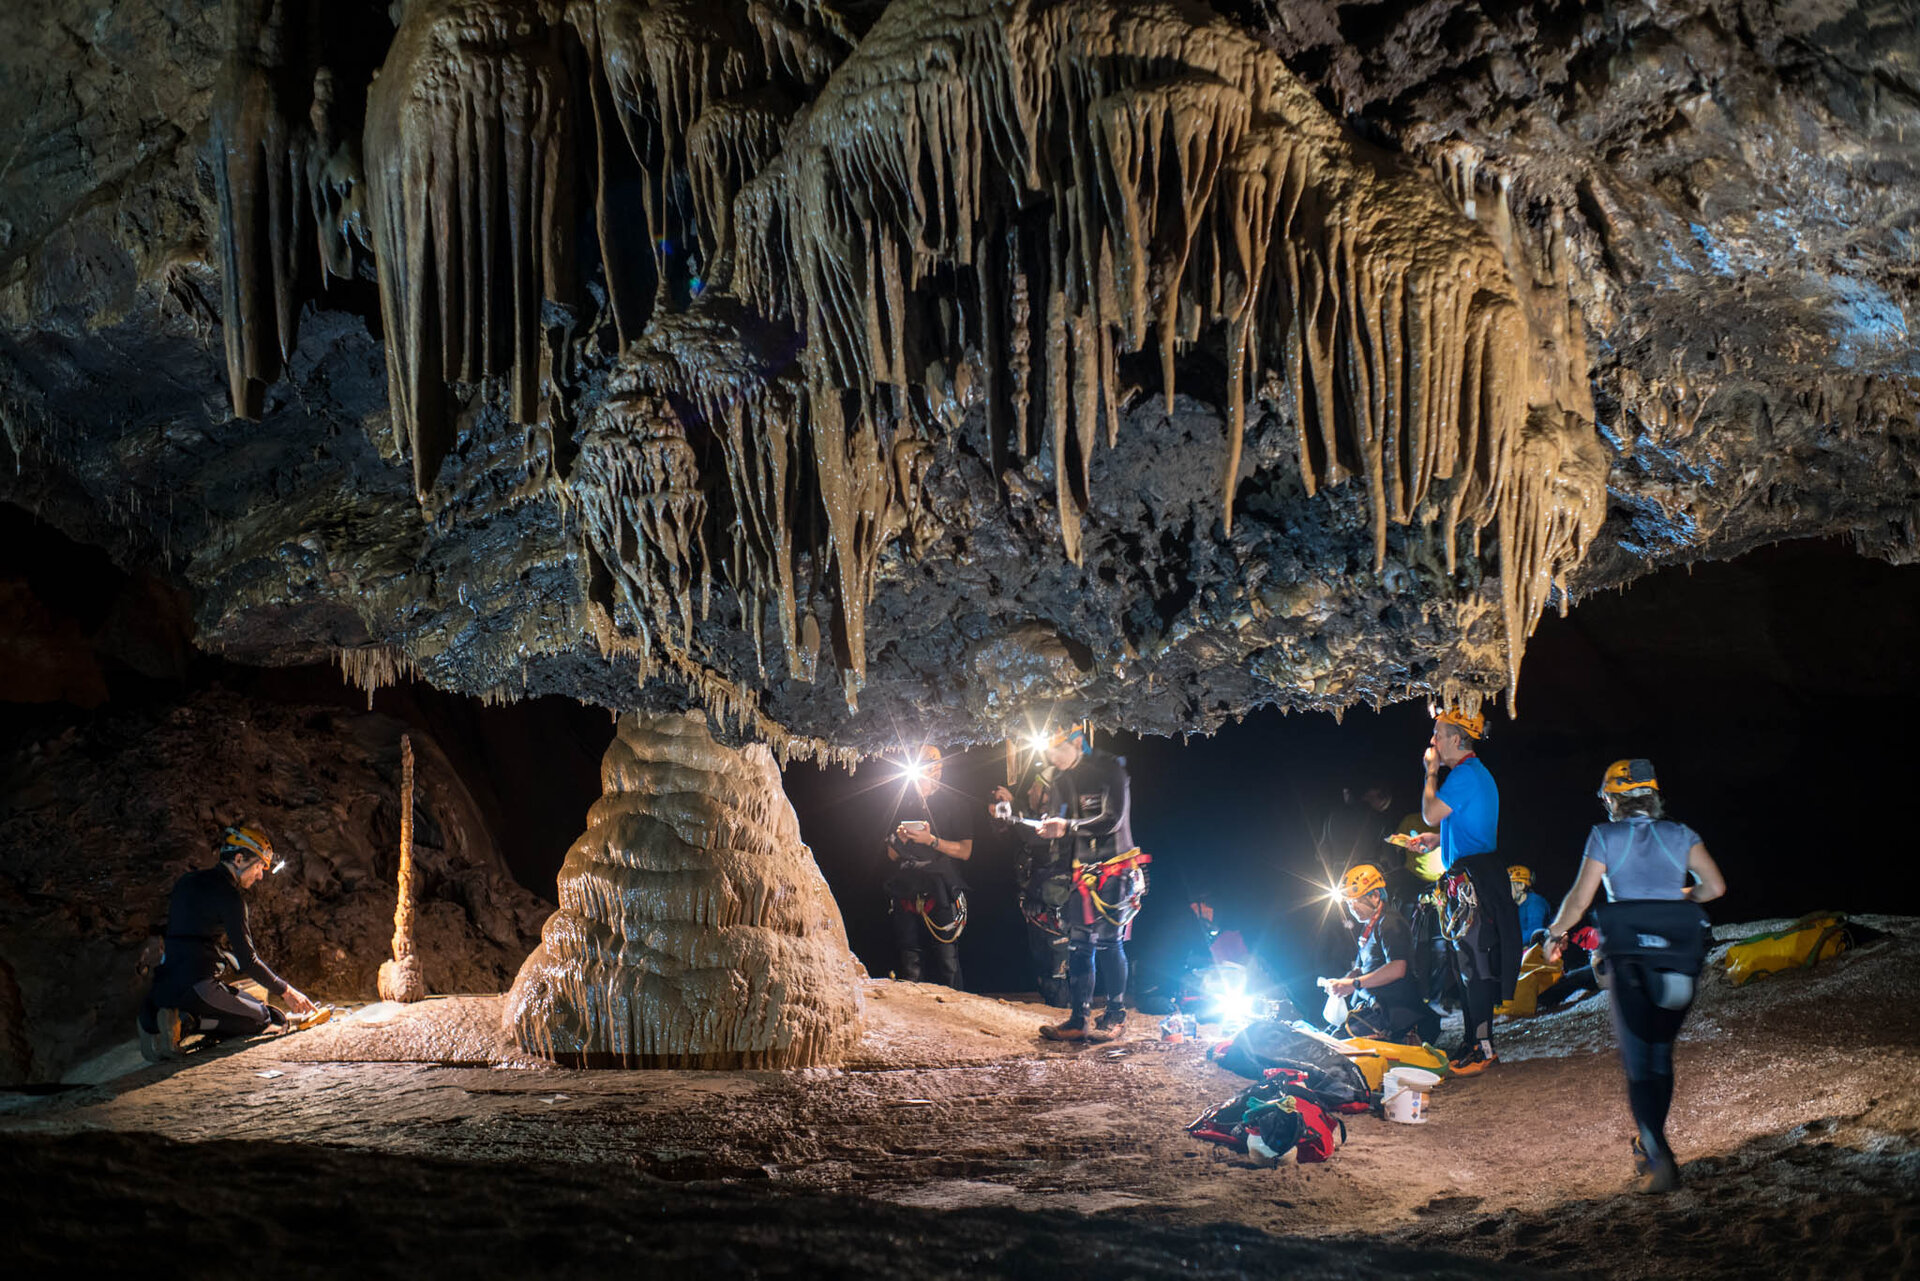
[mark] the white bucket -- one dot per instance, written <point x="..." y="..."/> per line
<point x="1404" y="1094"/>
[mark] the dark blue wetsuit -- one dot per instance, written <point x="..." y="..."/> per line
<point x="206" y="916"/>
<point x="1093" y="796"/>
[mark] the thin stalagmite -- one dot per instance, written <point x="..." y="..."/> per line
<point x="694" y="929"/>
<point x="401" y="979"/>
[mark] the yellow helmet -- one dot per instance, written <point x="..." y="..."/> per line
<point x="929" y="755"/>
<point x="1472" y="724"/>
<point x="1629" y="778"/>
<point x="246" y="844"/>
<point x="1361" y="880"/>
<point x="1521" y="874"/>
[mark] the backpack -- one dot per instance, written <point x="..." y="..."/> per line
<point x="1301" y="1084"/>
<point x="1267" y="1122"/>
<point x="1317" y="1127"/>
<point x="1325" y="1075"/>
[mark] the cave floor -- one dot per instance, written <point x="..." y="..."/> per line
<point x="956" y="1142"/>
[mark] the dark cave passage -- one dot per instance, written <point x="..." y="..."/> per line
<point x="1766" y="690"/>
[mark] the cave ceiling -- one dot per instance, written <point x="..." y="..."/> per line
<point x="867" y="369"/>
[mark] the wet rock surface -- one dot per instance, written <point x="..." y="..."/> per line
<point x="100" y="819"/>
<point x="1703" y="211"/>
<point x="954" y="1130"/>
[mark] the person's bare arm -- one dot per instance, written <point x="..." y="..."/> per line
<point x="1708" y="883"/>
<point x="1386" y="974"/>
<point x="1432" y="808"/>
<point x="1574" y="905"/>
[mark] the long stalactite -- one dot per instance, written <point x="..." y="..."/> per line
<point x="471" y="127"/>
<point x="920" y="212"/>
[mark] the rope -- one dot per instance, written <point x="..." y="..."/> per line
<point x="959" y="923"/>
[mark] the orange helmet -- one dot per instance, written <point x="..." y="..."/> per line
<point x="1629" y="778"/>
<point x="244" y="844"/>
<point x="1472" y="724"/>
<point x="1361" y="880"/>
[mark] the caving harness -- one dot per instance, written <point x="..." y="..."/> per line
<point x="1459" y="908"/>
<point x="1111" y="889"/>
<point x="922" y="905"/>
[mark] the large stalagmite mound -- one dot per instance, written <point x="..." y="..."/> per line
<point x="694" y="929"/>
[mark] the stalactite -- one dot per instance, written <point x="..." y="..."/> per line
<point x="374" y="667"/>
<point x="694" y="930"/>
<point x="638" y="487"/>
<point x="858" y="491"/>
<point x="469" y="153"/>
<point x="260" y="140"/>
<point x="401" y="979"/>
<point x="1197" y="193"/>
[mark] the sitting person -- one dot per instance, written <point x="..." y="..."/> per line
<point x="1532" y="907"/>
<point x="1388" y="1005"/>
<point x="207" y="920"/>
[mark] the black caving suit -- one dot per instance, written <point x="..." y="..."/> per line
<point x="1044" y="875"/>
<point x="205" y="916"/>
<point x="1093" y="797"/>
<point x="926" y="895"/>
<point x="1489" y="955"/>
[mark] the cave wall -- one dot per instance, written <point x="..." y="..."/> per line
<point x="641" y="478"/>
<point x="102" y="817"/>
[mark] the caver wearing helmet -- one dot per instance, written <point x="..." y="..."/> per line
<point x="207" y="927"/>
<point x="1466" y="808"/>
<point x="1089" y="821"/>
<point x="926" y="894"/>
<point x="1532" y="907"/>
<point x="1385" y="1000"/>
<point x="1630" y="788"/>
<point x="1648" y="865"/>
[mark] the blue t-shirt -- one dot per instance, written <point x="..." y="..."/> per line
<point x="1472" y="826"/>
<point x="1644" y="857"/>
<point x="1533" y="914"/>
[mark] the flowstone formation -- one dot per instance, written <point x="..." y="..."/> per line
<point x="834" y="365"/>
<point x="694" y="929"/>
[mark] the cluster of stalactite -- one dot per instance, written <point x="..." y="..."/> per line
<point x="967" y="204"/>
<point x="287" y="178"/>
<point x="694" y="929"/>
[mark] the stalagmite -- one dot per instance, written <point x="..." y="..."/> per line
<point x="400" y="979"/>
<point x="694" y="930"/>
<point x="470" y="170"/>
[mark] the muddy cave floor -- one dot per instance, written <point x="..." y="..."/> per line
<point x="410" y="1139"/>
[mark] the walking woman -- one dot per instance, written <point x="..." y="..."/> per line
<point x="1654" y="941"/>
